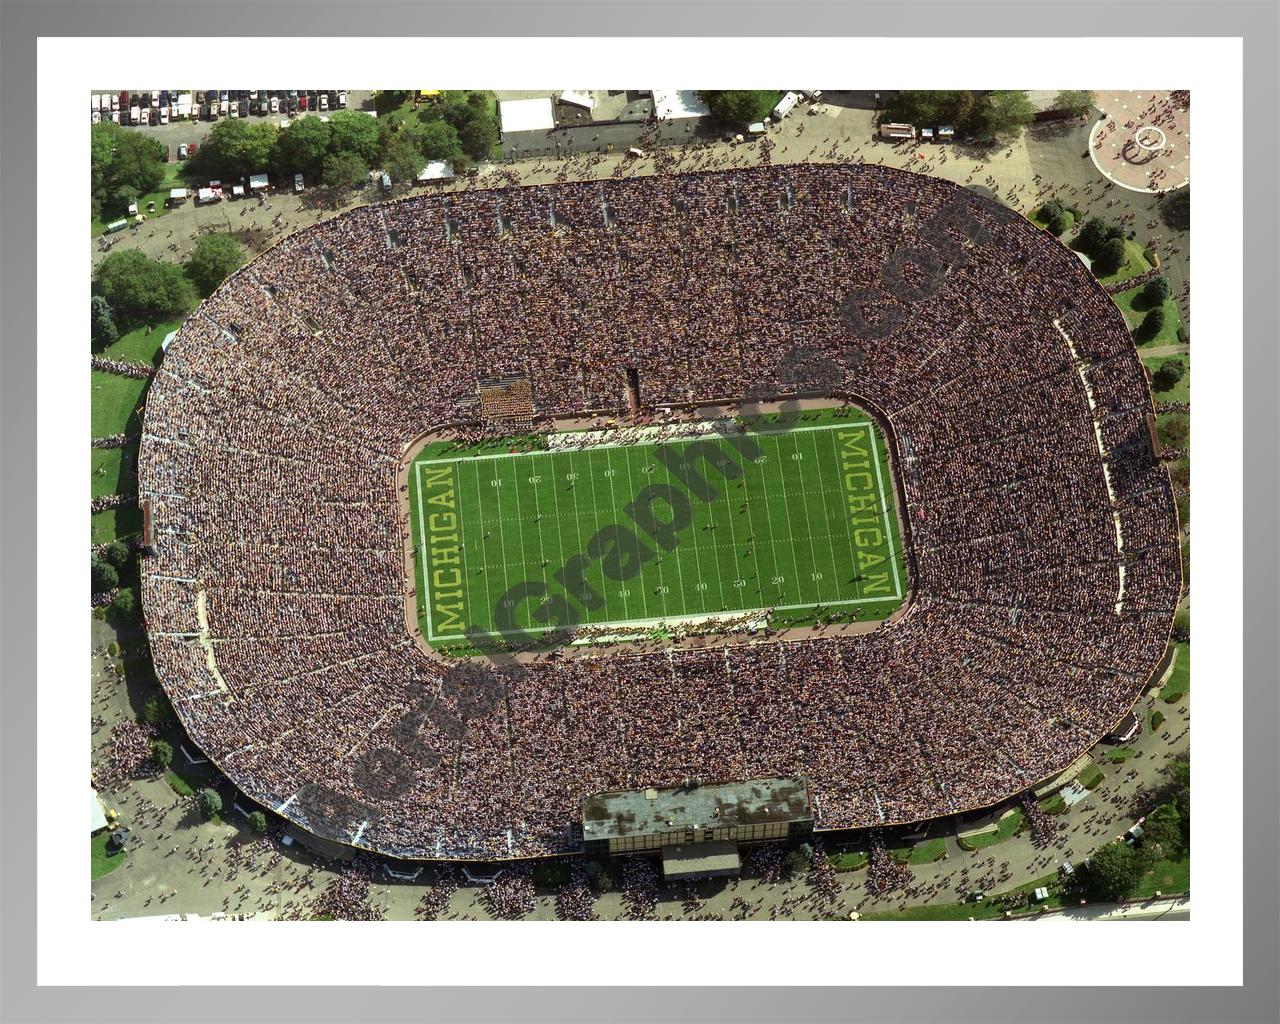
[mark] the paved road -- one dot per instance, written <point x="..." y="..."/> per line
<point x="1175" y="909"/>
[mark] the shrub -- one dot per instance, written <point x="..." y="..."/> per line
<point x="103" y="575"/>
<point x="162" y="753"/>
<point x="1152" y="323"/>
<point x="117" y="553"/>
<point x="102" y="324"/>
<point x="1157" y="720"/>
<point x="258" y="822"/>
<point x="209" y="802"/>
<point x="113" y="649"/>
<point x="157" y="711"/>
<point x="1110" y="257"/>
<point x="1168" y="375"/>
<point x="125" y="604"/>
<point x="1155" y="291"/>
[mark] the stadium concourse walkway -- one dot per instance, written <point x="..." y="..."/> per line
<point x="222" y="867"/>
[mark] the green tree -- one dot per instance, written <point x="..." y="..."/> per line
<point x="162" y="753"/>
<point x="357" y="133"/>
<point x="1092" y="234"/>
<point x="124" y="605"/>
<point x="117" y="553"/>
<point x="344" y="170"/>
<point x="1000" y="116"/>
<point x="1152" y="323"/>
<point x="1162" y="833"/>
<point x="1155" y="291"/>
<point x="123" y="165"/>
<point x="301" y="148"/>
<point x="1113" y="872"/>
<point x="236" y="148"/>
<point x="258" y="821"/>
<point x="214" y="257"/>
<point x="101" y="324"/>
<point x="1176" y="430"/>
<point x="436" y="140"/>
<point x="740" y="107"/>
<point x="1168" y="375"/>
<point x="478" y="137"/>
<point x="209" y="802"/>
<point x="403" y="160"/>
<point x="1110" y="257"/>
<point x="930" y="107"/>
<point x="157" y="711"/>
<point x="142" y="289"/>
<point x="103" y="576"/>
<point x="1075" y="101"/>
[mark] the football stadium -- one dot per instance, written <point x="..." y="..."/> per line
<point x="835" y="473"/>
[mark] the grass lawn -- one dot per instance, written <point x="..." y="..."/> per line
<point x="1055" y="803"/>
<point x="1040" y="222"/>
<point x="1009" y="826"/>
<point x="1135" y="308"/>
<point x="1180" y="678"/>
<point x="1135" y="263"/>
<point x="116" y="523"/>
<point x="114" y="470"/>
<point x="1173" y="428"/>
<point x="114" y="405"/>
<point x="1120" y="755"/>
<point x="1091" y="777"/>
<point x="140" y="347"/>
<point x="922" y="853"/>
<point x="849" y="861"/>
<point x="1166" y="875"/>
<point x="101" y="863"/>
<point x="1180" y="392"/>
<point x="172" y="179"/>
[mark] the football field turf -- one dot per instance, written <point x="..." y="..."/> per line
<point x="801" y="525"/>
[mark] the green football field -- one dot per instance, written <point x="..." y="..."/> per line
<point x="619" y="529"/>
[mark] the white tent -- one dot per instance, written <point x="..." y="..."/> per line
<point x="578" y="98"/>
<point x="436" y="170"/>
<point x="97" y="818"/>
<point x="673" y="104"/>
<point x="177" y="195"/>
<point x="257" y="181"/>
<point x="527" y="115"/>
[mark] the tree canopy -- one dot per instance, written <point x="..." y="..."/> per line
<point x="1156" y="290"/>
<point x="1110" y="257"/>
<point x="1169" y="374"/>
<point x="1075" y="101"/>
<point x="123" y="165"/>
<point x="1113" y="872"/>
<point x="209" y="801"/>
<point x="403" y="160"/>
<point x="344" y="170"/>
<point x="236" y="148"/>
<point x="740" y="107"/>
<point x="353" y="131"/>
<point x="103" y="576"/>
<point x="102" y="325"/>
<point x="1000" y="116"/>
<point x="301" y="148"/>
<point x="927" y="107"/>
<point x="162" y="753"/>
<point x="214" y="257"/>
<point x="138" y="288"/>
<point x="435" y="140"/>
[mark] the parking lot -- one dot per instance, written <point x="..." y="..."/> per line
<point x="176" y="132"/>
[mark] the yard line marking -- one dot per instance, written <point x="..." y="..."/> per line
<point x="813" y="554"/>
<point x="746" y="498"/>
<point x="631" y="486"/>
<point x="502" y="539"/>
<point x="786" y="508"/>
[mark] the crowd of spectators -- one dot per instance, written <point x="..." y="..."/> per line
<point x="1043" y="561"/>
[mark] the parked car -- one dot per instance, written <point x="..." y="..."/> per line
<point x="96" y="116"/>
<point x="134" y="114"/>
<point x="324" y="101"/>
<point x="297" y="182"/>
<point x="275" y="105"/>
<point x="182" y="151"/>
<point x="164" y="97"/>
<point x="302" y="102"/>
<point x="115" y="102"/>
<point x="124" y="99"/>
<point x="164" y="115"/>
<point x="115" y="117"/>
<point x="342" y="101"/>
<point x="235" y="108"/>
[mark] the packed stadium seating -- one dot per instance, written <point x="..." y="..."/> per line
<point x="1044" y="557"/>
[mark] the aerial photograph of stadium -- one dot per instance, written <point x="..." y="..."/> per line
<point x="640" y="505"/>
